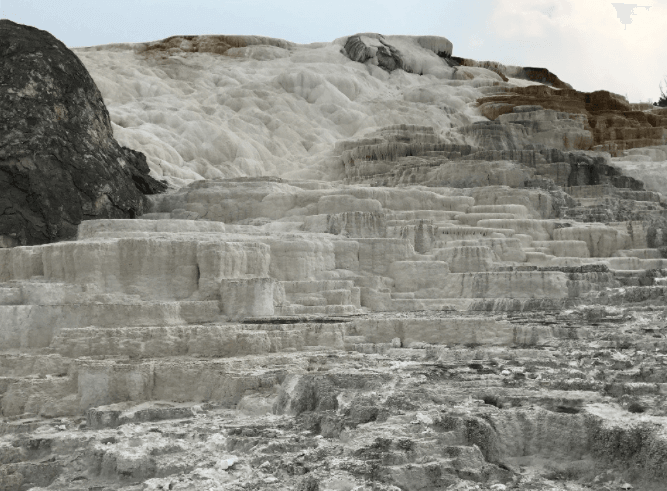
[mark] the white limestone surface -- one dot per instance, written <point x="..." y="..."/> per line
<point x="648" y="164"/>
<point x="602" y="241"/>
<point x="270" y="109"/>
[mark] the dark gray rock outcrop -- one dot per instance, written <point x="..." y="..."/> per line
<point x="59" y="162"/>
<point x="389" y="53"/>
<point x="388" y="57"/>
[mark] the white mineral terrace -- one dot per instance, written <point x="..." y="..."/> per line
<point x="270" y="110"/>
<point x="280" y="319"/>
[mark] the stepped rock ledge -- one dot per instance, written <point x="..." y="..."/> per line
<point x="238" y="262"/>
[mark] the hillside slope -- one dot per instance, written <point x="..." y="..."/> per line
<point x="201" y="108"/>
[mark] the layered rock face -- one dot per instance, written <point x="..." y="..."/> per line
<point x="614" y="125"/>
<point x="59" y="162"/>
<point x="466" y="306"/>
<point x="541" y="75"/>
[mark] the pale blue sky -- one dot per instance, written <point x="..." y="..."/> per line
<point x="581" y="41"/>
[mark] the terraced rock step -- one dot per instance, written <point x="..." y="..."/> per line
<point x="436" y="278"/>
<point x="335" y="423"/>
<point x="380" y="340"/>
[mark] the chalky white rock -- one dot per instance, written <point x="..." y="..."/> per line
<point x="353" y="274"/>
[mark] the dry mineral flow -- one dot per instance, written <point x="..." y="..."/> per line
<point x="377" y="266"/>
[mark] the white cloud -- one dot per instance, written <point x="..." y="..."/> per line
<point x="585" y="43"/>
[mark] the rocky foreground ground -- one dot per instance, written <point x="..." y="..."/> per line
<point x="569" y="400"/>
<point x="457" y="283"/>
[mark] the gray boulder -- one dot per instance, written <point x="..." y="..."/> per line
<point x="363" y="47"/>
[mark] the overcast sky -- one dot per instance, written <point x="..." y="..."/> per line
<point x="581" y="41"/>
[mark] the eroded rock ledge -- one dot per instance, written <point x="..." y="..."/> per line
<point x="614" y="125"/>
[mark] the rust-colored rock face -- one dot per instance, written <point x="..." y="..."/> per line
<point x="218" y="44"/>
<point x="611" y="120"/>
<point x="541" y="75"/>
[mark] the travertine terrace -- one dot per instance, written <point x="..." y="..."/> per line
<point x="377" y="267"/>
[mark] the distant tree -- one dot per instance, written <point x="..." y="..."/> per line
<point x="662" y="102"/>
